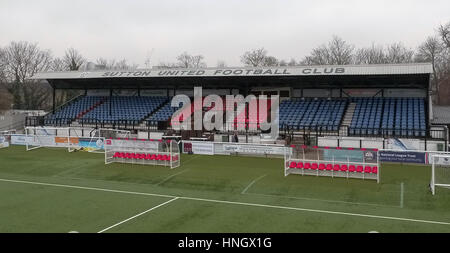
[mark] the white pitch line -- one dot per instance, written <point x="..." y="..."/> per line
<point x="171" y="176"/>
<point x="232" y="202"/>
<point x="251" y="183"/>
<point x="320" y="211"/>
<point x="401" y="194"/>
<point x="137" y="215"/>
<point x="69" y="170"/>
<point x="319" y="200"/>
<point x="87" y="188"/>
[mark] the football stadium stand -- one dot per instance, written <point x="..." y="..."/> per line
<point x="372" y="116"/>
<point x="314" y="114"/>
<point x="382" y="101"/>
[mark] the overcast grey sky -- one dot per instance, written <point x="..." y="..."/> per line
<point x="219" y="30"/>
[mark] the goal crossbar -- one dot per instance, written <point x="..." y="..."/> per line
<point x="440" y="171"/>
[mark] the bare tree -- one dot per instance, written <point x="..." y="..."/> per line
<point x="429" y="51"/>
<point x="398" y="53"/>
<point x="444" y="32"/>
<point x="58" y="65"/>
<point x="2" y="66"/>
<point x="123" y="64"/>
<point x="370" y="55"/>
<point x="270" y="61"/>
<point x="167" y="65"/>
<point x="22" y="60"/>
<point x="254" y="57"/>
<point x="73" y="59"/>
<point x="259" y="58"/>
<point x="6" y="99"/>
<point x="186" y="60"/>
<point x="336" y="52"/>
<point x="104" y="64"/>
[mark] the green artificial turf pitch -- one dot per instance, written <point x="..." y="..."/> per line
<point x="52" y="190"/>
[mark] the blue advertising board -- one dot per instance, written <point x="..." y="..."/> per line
<point x="403" y="157"/>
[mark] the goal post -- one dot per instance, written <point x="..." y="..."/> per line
<point x="142" y="151"/>
<point x="92" y="140"/>
<point x="72" y="138"/>
<point x="175" y="158"/>
<point x="333" y="162"/>
<point x="38" y="137"/>
<point x="440" y="171"/>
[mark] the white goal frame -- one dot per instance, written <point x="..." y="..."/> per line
<point x="95" y="140"/>
<point x="439" y="161"/>
<point x="143" y="151"/>
<point x="40" y="137"/>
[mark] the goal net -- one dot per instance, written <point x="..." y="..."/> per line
<point x="440" y="171"/>
<point x="38" y="137"/>
<point x="72" y="138"/>
<point x="144" y="152"/>
<point x="332" y="162"/>
<point x="92" y="140"/>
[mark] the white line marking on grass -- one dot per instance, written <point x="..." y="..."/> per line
<point x="251" y="183"/>
<point x="69" y="170"/>
<point x="233" y="203"/>
<point x="319" y="200"/>
<point x="191" y="158"/>
<point x="171" y="176"/>
<point x="137" y="215"/>
<point x="401" y="194"/>
<point x="319" y="211"/>
<point x="87" y="188"/>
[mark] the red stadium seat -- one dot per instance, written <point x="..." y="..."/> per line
<point x="344" y="167"/>
<point x="336" y="167"/>
<point x="158" y="157"/>
<point x="128" y="155"/>
<point x="153" y="157"/>
<point x="367" y="169"/>
<point x="314" y="166"/>
<point x="322" y="166"/>
<point x="307" y="166"/>
<point x="117" y="154"/>
<point x="147" y="157"/>
<point x="293" y="165"/>
<point x="329" y="167"/>
<point x="375" y="169"/>
<point x="166" y="158"/>
<point x="352" y="168"/>
<point x="359" y="168"/>
<point x="122" y="155"/>
<point x="299" y="165"/>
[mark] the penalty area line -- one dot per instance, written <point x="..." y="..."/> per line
<point x="137" y="215"/>
<point x="251" y="183"/>
<point x="170" y="177"/>
<point x="234" y="202"/>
